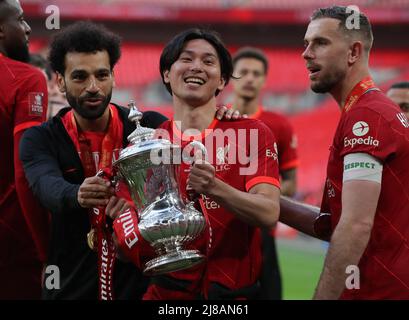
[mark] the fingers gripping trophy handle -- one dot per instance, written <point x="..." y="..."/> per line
<point x="187" y="156"/>
<point x="109" y="175"/>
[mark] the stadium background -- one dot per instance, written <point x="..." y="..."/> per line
<point x="276" y="26"/>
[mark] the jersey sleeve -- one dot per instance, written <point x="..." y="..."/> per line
<point x="30" y="110"/>
<point x="263" y="164"/>
<point x="287" y="146"/>
<point x="31" y="102"/>
<point x="366" y="131"/>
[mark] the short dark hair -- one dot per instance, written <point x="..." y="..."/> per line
<point x="37" y="60"/>
<point x="342" y="14"/>
<point x="174" y="48"/>
<point x="83" y="36"/>
<point x="253" y="53"/>
<point x="400" y="85"/>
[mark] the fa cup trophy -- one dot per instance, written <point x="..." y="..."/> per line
<point x="165" y="220"/>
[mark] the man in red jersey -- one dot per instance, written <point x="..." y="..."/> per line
<point x="23" y="104"/>
<point x="238" y="195"/>
<point x="366" y="190"/>
<point x="250" y="71"/>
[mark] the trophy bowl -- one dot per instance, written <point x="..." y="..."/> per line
<point x="150" y="169"/>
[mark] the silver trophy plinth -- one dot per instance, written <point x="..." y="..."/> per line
<point x="165" y="221"/>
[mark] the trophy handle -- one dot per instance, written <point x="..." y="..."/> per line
<point x="187" y="158"/>
<point x="194" y="145"/>
<point x="112" y="177"/>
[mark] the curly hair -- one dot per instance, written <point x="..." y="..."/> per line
<point x="175" y="47"/>
<point x="83" y="36"/>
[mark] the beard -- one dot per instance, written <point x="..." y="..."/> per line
<point x="19" y="52"/>
<point x="87" y="113"/>
<point x="329" y="82"/>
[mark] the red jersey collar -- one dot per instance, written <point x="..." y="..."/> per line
<point x="200" y="136"/>
<point x="257" y="114"/>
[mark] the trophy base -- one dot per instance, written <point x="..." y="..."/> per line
<point x="174" y="261"/>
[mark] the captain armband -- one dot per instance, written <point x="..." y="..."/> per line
<point x="362" y="166"/>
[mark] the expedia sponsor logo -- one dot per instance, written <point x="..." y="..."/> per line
<point x="271" y="154"/>
<point x="360" y="128"/>
<point x="363" y="165"/>
<point x="369" y="141"/>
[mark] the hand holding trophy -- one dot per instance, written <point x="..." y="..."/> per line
<point x="165" y="221"/>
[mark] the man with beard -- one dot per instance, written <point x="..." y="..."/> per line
<point x="366" y="191"/>
<point x="23" y="104"/>
<point x="62" y="156"/>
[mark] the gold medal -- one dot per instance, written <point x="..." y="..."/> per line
<point x="92" y="239"/>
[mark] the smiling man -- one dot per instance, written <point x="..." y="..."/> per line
<point x="23" y="104"/>
<point x="237" y="196"/>
<point x="366" y="191"/>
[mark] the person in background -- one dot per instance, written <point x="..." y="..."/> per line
<point x="399" y="93"/>
<point x="23" y="104"/>
<point x="56" y="99"/>
<point x="250" y="72"/>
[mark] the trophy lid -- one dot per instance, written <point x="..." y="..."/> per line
<point x="142" y="139"/>
<point x="140" y="134"/>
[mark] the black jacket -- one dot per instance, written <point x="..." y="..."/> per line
<point x="55" y="173"/>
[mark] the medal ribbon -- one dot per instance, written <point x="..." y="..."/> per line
<point x="364" y="86"/>
<point x="112" y="141"/>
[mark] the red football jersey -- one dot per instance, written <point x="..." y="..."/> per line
<point x="23" y="103"/>
<point x="376" y="126"/>
<point x="284" y="135"/>
<point x="94" y="139"/>
<point x="234" y="259"/>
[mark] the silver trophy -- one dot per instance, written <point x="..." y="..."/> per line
<point x="150" y="168"/>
